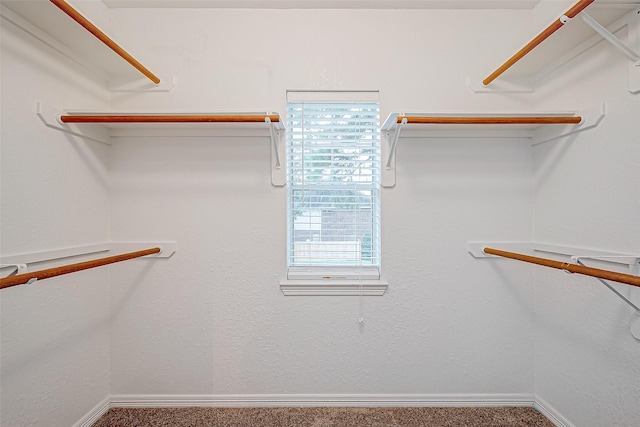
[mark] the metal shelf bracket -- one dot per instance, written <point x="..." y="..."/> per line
<point x="590" y="119"/>
<point x="391" y="133"/>
<point x="612" y="289"/>
<point x="278" y="173"/>
<point x="476" y="249"/>
<point x="611" y="38"/>
<point x="50" y="116"/>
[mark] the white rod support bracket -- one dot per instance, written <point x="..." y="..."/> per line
<point x="614" y="290"/>
<point x="278" y="173"/>
<point x="590" y="119"/>
<point x="50" y="116"/>
<point x="608" y="36"/>
<point x="274" y="141"/>
<point x="392" y="150"/>
<point x="391" y="132"/>
<point x="387" y="133"/>
<point x="20" y="269"/>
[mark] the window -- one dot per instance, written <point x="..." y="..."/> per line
<point x="333" y="193"/>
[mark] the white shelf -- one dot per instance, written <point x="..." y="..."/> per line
<point x="632" y="262"/>
<point x="168" y="248"/>
<point x="49" y="24"/>
<point x="103" y="127"/>
<point x="584" y="261"/>
<point x="158" y="123"/>
<point x="17" y="266"/>
<point x="538" y="133"/>
<point x="573" y="39"/>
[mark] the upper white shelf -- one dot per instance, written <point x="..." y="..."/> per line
<point x="572" y="33"/>
<point x="103" y="126"/>
<point x="157" y="124"/>
<point x="122" y="124"/>
<point x="64" y="28"/>
<point x="539" y="127"/>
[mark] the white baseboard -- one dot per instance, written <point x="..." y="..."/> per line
<point x="325" y="400"/>
<point x="551" y="413"/>
<point x="92" y="416"/>
<point x="316" y="400"/>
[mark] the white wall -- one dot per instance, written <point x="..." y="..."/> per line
<point x="586" y="195"/>
<point x="212" y="320"/>
<point x="54" y="334"/>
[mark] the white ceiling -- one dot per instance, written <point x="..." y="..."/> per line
<point x="326" y="4"/>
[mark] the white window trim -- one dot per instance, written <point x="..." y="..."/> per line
<point x="333" y="281"/>
<point x="333" y="287"/>
<point x="353" y="280"/>
<point x="354" y="272"/>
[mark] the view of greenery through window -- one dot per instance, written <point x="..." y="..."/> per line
<point x="333" y="163"/>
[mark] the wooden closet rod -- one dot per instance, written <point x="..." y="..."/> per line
<point x="629" y="279"/>
<point x="555" y="26"/>
<point x="491" y="120"/>
<point x="255" y="118"/>
<point x="77" y="16"/>
<point x="21" y="279"/>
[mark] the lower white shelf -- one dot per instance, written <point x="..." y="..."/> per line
<point x="167" y="249"/>
<point x="575" y="253"/>
<point x="126" y="251"/>
<point x="518" y="251"/>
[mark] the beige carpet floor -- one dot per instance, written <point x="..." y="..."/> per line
<point x="323" y="417"/>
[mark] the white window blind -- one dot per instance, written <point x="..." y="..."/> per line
<point x="333" y="179"/>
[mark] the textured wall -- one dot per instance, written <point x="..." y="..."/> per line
<point x="54" y="334"/>
<point x="212" y="320"/>
<point x="587" y="196"/>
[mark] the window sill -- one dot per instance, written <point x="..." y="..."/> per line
<point x="333" y="287"/>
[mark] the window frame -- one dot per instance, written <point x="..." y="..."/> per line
<point x="357" y="279"/>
